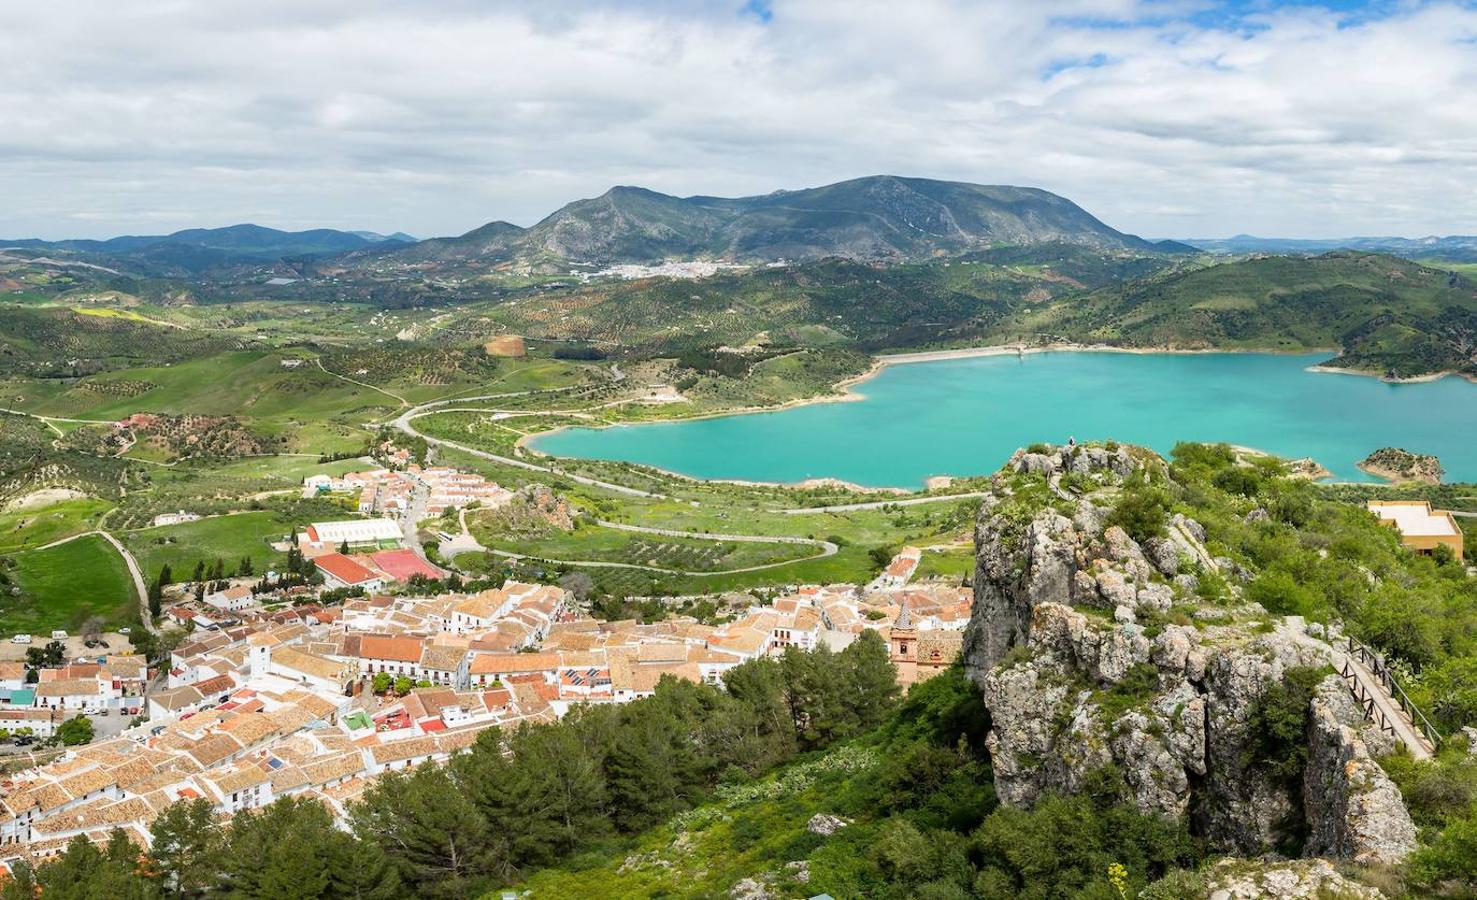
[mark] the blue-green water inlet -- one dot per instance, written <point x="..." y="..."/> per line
<point x="966" y="416"/>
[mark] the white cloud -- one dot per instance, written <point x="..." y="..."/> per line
<point x="436" y="117"/>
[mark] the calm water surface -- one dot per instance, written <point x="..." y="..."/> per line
<point x="966" y="416"/>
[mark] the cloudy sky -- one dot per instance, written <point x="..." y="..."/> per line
<point x="1162" y="117"/>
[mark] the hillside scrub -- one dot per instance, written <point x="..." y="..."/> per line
<point x="1328" y="560"/>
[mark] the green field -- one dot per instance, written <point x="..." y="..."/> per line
<point x="592" y="542"/>
<point x="62" y="586"/>
<point x="227" y="538"/>
<point x="23" y="528"/>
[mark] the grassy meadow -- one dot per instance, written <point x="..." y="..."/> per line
<point x="62" y="586"/>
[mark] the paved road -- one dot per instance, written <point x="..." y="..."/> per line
<point x="402" y="423"/>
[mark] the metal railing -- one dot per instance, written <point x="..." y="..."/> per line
<point x="1381" y="670"/>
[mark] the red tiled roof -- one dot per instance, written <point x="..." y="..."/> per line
<point x="508" y="663"/>
<point x="400" y="649"/>
<point x="343" y="568"/>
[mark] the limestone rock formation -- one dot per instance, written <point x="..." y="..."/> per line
<point x="1313" y="879"/>
<point x="1094" y="651"/>
<point x="534" y="510"/>
<point x="1353" y="809"/>
<point x="825" y="824"/>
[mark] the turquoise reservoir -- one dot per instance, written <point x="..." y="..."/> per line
<point x="966" y="416"/>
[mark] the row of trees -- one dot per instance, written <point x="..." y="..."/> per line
<point x="513" y="801"/>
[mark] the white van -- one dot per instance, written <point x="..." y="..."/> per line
<point x="21" y="639"/>
<point x="58" y="635"/>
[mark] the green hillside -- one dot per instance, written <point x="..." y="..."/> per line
<point x="52" y="342"/>
<point x="1385" y="315"/>
<point x="829" y="302"/>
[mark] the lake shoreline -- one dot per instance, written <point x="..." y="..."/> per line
<point x="845" y="390"/>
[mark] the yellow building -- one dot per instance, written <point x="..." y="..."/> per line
<point x="1421" y="528"/>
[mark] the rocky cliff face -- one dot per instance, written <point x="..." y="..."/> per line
<point x="1093" y="650"/>
<point x="1353" y="809"/>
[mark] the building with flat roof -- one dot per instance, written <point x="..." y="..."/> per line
<point x="325" y="536"/>
<point x="1421" y="528"/>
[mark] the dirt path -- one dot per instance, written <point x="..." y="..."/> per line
<point x="402" y="400"/>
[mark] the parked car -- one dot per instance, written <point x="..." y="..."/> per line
<point x="21" y="639"/>
<point x="58" y="635"/>
<point x="125" y="630"/>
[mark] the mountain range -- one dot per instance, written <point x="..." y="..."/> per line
<point x="1453" y="248"/>
<point x="880" y="217"/>
<point x="196" y="250"/>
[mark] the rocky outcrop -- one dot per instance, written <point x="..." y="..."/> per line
<point x="1245" y="808"/>
<point x="825" y="824"/>
<point x="1313" y="879"/>
<point x="1093" y="651"/>
<point x="1015" y="569"/>
<point x="1396" y="464"/>
<point x="1353" y="809"/>
<point x="533" y="510"/>
<point x="1022" y="562"/>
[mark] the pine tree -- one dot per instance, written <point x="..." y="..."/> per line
<point x="70" y="873"/>
<point x="186" y="847"/>
<point x="428" y="828"/>
<point x="286" y="849"/>
<point x="871" y="678"/>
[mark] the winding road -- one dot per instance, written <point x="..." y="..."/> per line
<point x="402" y="424"/>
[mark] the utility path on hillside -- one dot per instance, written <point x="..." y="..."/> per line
<point x="402" y="400"/>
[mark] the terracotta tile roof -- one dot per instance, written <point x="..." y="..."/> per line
<point x="333" y="768"/>
<point x="391" y="647"/>
<point x="308" y="664"/>
<point x="70" y="687"/>
<point x="392" y="751"/>
<point x="509" y="663"/>
<point x="443" y="659"/>
<point x="239" y="779"/>
<point x="344" y="569"/>
<point x="213" y="749"/>
<point x="217" y="684"/>
<point x="288" y="778"/>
